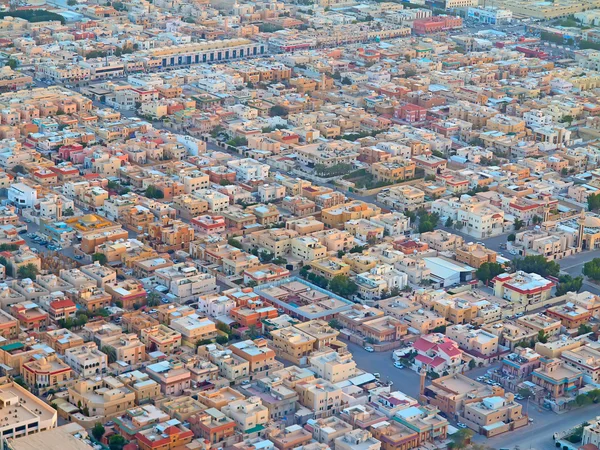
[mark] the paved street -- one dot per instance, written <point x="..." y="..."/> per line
<point x="537" y="435"/>
<point x="404" y="380"/>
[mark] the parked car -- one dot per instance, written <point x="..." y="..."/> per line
<point x="397" y="365"/>
<point x="369" y="349"/>
<point x="461" y="425"/>
<point x="376" y="374"/>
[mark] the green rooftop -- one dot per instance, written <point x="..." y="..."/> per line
<point x="13" y="346"/>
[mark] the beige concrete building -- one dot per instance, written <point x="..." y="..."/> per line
<point x="250" y="415"/>
<point x="105" y="397"/>
<point x="293" y="345"/>
<point x="357" y="440"/>
<point x="30" y="414"/>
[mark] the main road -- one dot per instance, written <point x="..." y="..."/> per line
<point x="536" y="435"/>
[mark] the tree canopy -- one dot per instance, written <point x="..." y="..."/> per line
<point x="488" y="271"/>
<point x="100" y="257"/>
<point x="566" y="283"/>
<point x="342" y="285"/>
<point x="154" y="192"/>
<point x="27" y="271"/>
<point x="591" y="269"/>
<point x="538" y="264"/>
<point x="593" y="201"/>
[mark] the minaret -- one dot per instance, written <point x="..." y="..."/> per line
<point x="423" y="375"/>
<point x="581" y="222"/>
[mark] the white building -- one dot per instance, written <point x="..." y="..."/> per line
<point x="185" y="282"/>
<point x="478" y="218"/>
<point x="215" y="305"/>
<point x="87" y="360"/>
<point x="490" y="15"/>
<point x="22" y="195"/>
<point x="248" y="169"/>
<point x="537" y="118"/>
<point x="270" y="192"/>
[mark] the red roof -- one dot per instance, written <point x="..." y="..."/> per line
<point x="449" y="349"/>
<point x="423" y="345"/>
<point x="65" y="303"/>
<point x="434" y="362"/>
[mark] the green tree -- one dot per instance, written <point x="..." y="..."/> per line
<point x="488" y="271"/>
<point x="222" y="340"/>
<point x="525" y="393"/>
<point x="34" y="15"/>
<point x="593" y="201"/>
<point x="449" y="222"/>
<point x="201" y="342"/>
<point x="266" y="256"/>
<point x="21" y="382"/>
<point x="153" y="299"/>
<point x="304" y="271"/>
<point x="566" y="283"/>
<point x="252" y="332"/>
<point x="280" y="261"/>
<point x="154" y="192"/>
<point x="19" y="169"/>
<point x="116" y="442"/>
<point x="518" y="224"/>
<point x="68" y="212"/>
<point x="269" y="27"/>
<point x="511" y="237"/>
<point x="100" y="257"/>
<point x="224" y="328"/>
<point x="360" y="249"/>
<point x="234" y="242"/>
<point x="102" y="312"/>
<point x="334" y="323"/>
<point x="472" y="364"/>
<point x="425" y="226"/>
<point x="582" y="400"/>
<point x="537" y="264"/>
<point x="27" y="271"/>
<point x="12" y="63"/>
<point x="584" y="328"/>
<point x="567" y="119"/>
<point x="110" y="352"/>
<point x="346" y="81"/>
<point x="536" y="220"/>
<point x="343" y="285"/>
<point x="98" y="431"/>
<point x="237" y="142"/>
<point x="461" y="438"/>
<point x="591" y="269"/>
<point x="278" y="111"/>
<point x="409" y="72"/>
<point x="542" y="337"/>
